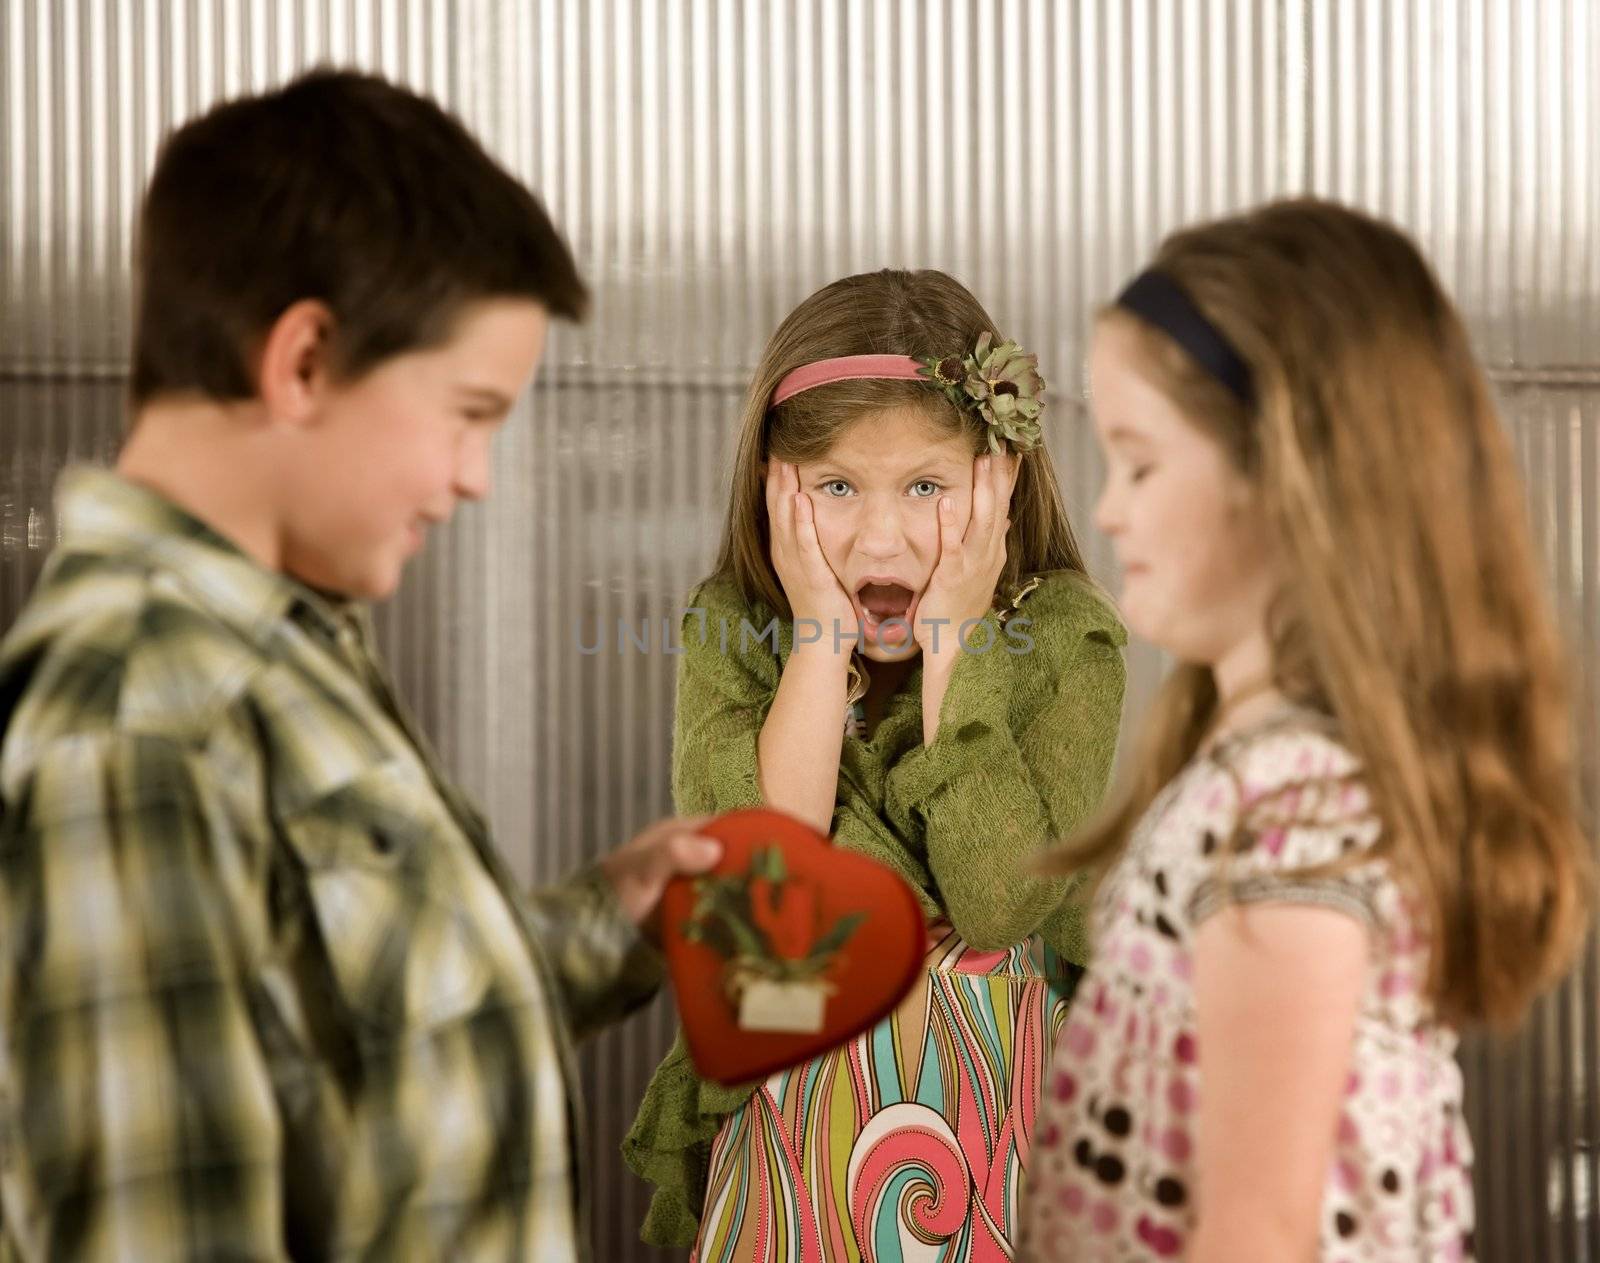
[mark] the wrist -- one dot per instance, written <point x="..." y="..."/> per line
<point x="945" y="638"/>
<point x="823" y="626"/>
<point x="935" y="687"/>
<point x="938" y="666"/>
<point x="829" y="650"/>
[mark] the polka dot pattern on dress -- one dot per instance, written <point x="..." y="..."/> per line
<point x="1125" y="1089"/>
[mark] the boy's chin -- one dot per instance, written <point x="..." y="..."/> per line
<point x="377" y="582"/>
<point x="379" y="585"/>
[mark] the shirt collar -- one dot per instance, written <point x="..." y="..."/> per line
<point x="104" y="514"/>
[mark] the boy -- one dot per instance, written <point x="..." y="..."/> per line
<point x="266" y="989"/>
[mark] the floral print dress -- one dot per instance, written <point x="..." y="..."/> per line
<point x="1114" y="1172"/>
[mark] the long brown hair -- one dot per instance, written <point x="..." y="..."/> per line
<point x="1414" y="611"/>
<point x="921" y="314"/>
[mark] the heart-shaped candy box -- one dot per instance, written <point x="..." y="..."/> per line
<point x="789" y="947"/>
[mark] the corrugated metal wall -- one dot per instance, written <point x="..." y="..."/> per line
<point x="715" y="160"/>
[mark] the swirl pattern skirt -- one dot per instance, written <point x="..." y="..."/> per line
<point x="910" y="1143"/>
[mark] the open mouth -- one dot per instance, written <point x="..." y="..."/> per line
<point x="887" y="608"/>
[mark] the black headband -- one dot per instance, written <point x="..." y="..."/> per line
<point x="1156" y="298"/>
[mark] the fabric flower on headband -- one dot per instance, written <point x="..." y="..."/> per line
<point x="1001" y="384"/>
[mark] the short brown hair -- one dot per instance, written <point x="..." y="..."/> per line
<point x="340" y="187"/>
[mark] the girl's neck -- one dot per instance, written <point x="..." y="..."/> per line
<point x="1246" y="690"/>
<point x="883" y="682"/>
<point x="1244" y="708"/>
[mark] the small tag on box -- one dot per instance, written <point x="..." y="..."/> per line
<point x="789" y="1007"/>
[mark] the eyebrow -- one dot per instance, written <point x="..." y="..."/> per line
<point x="928" y="465"/>
<point x="1121" y="431"/>
<point x="485" y="395"/>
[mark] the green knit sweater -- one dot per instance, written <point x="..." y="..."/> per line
<point x="1023" y="751"/>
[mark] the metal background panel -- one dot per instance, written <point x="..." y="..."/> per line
<point x="713" y="161"/>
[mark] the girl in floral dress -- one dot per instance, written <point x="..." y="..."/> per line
<point x="1351" y="827"/>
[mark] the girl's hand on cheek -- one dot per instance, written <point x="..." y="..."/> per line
<point x="970" y="562"/>
<point x="814" y="591"/>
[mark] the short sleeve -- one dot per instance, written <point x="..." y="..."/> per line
<point x="1294" y="824"/>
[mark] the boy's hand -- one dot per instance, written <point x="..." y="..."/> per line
<point x="639" y="871"/>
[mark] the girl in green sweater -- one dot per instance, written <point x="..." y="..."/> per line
<point x="941" y="690"/>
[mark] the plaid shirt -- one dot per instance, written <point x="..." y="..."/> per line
<point x="266" y="990"/>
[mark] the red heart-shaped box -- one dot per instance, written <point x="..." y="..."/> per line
<point x="871" y="973"/>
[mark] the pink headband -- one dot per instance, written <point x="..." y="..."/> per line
<point x="848" y="368"/>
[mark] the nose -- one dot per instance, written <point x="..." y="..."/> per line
<point x="1108" y="512"/>
<point x="882" y="534"/>
<point x="473" y="478"/>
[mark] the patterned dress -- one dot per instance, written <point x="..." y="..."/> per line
<point x="908" y="1143"/>
<point x="1114" y="1172"/>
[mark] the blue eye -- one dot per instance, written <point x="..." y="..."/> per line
<point x="933" y="489"/>
<point x="827" y="488"/>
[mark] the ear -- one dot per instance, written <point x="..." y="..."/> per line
<point x="294" y="368"/>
